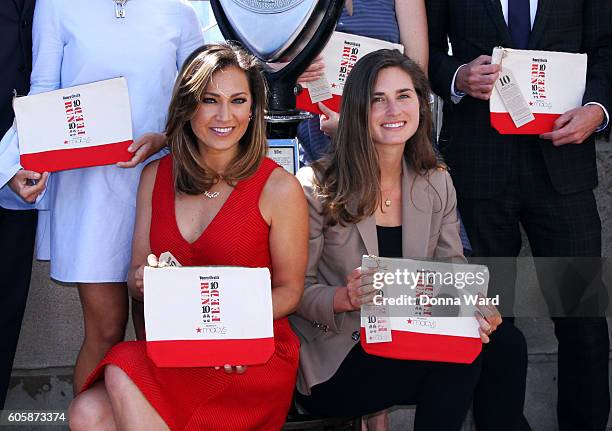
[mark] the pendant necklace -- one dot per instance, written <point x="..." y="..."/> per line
<point x="120" y="8"/>
<point x="387" y="200"/>
<point x="211" y="195"/>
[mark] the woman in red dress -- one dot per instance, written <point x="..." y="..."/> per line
<point x="216" y="200"/>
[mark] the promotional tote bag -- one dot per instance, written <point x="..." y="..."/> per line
<point x="339" y="55"/>
<point x="208" y="316"/>
<point x="75" y="127"/>
<point x="534" y="88"/>
<point x="425" y="310"/>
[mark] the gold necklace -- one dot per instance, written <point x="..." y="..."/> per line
<point x="387" y="200"/>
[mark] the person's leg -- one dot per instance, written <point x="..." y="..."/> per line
<point x="568" y="226"/>
<point x="92" y="410"/>
<point x="375" y="422"/>
<point x="138" y="319"/>
<point x="365" y="384"/>
<point x="445" y="395"/>
<point x="131" y="409"/>
<point x="493" y="228"/>
<point x="17" y="233"/>
<point x="105" y="313"/>
<point x="500" y="395"/>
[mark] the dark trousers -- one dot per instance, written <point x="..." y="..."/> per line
<point x="556" y="225"/>
<point x="366" y="384"/>
<point x="17" y="233"/>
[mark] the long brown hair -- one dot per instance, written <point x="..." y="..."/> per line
<point x="191" y="175"/>
<point x="348" y="179"/>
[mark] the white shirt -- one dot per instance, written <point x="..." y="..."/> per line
<point x="533" y="7"/>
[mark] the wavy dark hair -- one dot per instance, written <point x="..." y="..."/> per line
<point x="348" y="178"/>
<point x="191" y="175"/>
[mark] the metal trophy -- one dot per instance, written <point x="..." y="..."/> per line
<point x="286" y="35"/>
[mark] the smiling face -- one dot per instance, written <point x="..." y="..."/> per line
<point x="222" y="117"/>
<point x="394" y="108"/>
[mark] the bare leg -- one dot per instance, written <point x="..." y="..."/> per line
<point x="92" y="411"/>
<point x="138" y="319"/>
<point x="375" y="422"/>
<point x="105" y="312"/>
<point x="132" y="410"/>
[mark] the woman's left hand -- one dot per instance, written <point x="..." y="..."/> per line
<point x="313" y="72"/>
<point x="489" y="319"/>
<point x="238" y="369"/>
<point x="143" y="148"/>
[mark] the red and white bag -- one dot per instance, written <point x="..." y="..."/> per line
<point x="535" y="88"/>
<point x="75" y="127"/>
<point x="208" y="316"/>
<point x="339" y="55"/>
<point x="406" y="326"/>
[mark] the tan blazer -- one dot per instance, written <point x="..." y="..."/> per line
<point x="430" y="229"/>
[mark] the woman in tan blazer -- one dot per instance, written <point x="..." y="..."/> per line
<point x="382" y="192"/>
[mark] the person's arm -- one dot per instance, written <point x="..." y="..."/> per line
<point x="191" y="39"/>
<point x="192" y="36"/>
<point x="597" y="34"/>
<point x="325" y="305"/>
<point x="449" y="247"/>
<point x="317" y="305"/>
<point x="442" y="67"/>
<point x="449" y="242"/>
<point x="141" y="246"/>
<point x="576" y="125"/>
<point x="412" y="22"/>
<point x="47" y="56"/>
<point x="450" y="77"/>
<point x="283" y="206"/>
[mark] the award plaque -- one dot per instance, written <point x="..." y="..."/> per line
<point x="284" y="34"/>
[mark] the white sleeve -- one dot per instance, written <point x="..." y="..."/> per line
<point x="456" y="95"/>
<point x="47" y="48"/>
<point x="606" y="121"/>
<point x="192" y="36"/>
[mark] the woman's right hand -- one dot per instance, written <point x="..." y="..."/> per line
<point x="137" y="287"/>
<point x="359" y="290"/>
<point x="328" y="122"/>
<point x="28" y="184"/>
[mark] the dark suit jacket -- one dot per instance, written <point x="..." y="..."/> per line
<point x="478" y="156"/>
<point x="15" y="55"/>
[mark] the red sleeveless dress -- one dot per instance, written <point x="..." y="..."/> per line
<point x="205" y="398"/>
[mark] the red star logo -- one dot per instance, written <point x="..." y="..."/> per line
<point x="198" y="330"/>
<point x="334" y="85"/>
<point x="530" y="103"/>
<point x="409" y="321"/>
<point x="65" y="142"/>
